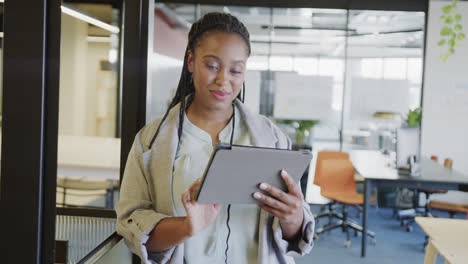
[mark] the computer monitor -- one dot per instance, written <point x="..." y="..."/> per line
<point x="407" y="144"/>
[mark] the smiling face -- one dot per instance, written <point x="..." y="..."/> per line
<point x="218" y="69"/>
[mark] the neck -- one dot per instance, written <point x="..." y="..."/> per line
<point x="203" y="116"/>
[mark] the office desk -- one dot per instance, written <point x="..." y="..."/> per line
<point x="88" y="157"/>
<point x="448" y="237"/>
<point x="377" y="172"/>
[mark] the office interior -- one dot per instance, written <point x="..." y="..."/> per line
<point x="343" y="77"/>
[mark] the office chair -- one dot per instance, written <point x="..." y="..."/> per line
<point x="338" y="184"/>
<point x="323" y="155"/>
<point x="407" y="221"/>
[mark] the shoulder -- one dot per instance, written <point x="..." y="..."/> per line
<point x="146" y="133"/>
<point x="262" y="126"/>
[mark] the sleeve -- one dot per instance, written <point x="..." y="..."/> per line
<point x="304" y="243"/>
<point x="136" y="217"/>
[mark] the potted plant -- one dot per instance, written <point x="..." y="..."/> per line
<point x="302" y="128"/>
<point x="414" y="117"/>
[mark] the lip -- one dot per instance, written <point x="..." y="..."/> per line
<point x="218" y="95"/>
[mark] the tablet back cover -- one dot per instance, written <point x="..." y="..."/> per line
<point x="235" y="174"/>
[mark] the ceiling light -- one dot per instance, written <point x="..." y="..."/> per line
<point x="89" y="19"/>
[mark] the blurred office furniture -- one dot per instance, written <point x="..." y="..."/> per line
<point x="319" y="173"/>
<point x="83" y="229"/>
<point x="407" y="145"/>
<point x="408" y="220"/>
<point x="448" y="237"/>
<point x="337" y="183"/>
<point x="88" y="157"/>
<point x="71" y="189"/>
<point x="377" y="171"/>
<point x="453" y="202"/>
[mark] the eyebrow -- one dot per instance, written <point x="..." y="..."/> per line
<point x="219" y="59"/>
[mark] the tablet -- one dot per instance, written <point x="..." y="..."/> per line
<point x="234" y="172"/>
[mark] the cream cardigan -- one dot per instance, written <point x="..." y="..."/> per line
<point x="145" y="195"/>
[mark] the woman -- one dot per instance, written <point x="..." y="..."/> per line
<point x="157" y="213"/>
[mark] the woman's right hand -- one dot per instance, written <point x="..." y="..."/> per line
<point x="199" y="216"/>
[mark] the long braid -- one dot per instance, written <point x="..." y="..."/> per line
<point x="210" y="22"/>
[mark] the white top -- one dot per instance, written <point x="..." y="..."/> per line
<point x="209" y="245"/>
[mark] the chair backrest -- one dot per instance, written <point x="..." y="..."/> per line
<point x="338" y="176"/>
<point x="448" y="163"/>
<point x="324" y="155"/>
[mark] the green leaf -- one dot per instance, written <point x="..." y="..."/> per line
<point x="442" y="17"/>
<point x="451" y="42"/>
<point x="461" y="36"/>
<point x="458" y="27"/>
<point x="414" y="117"/>
<point x="458" y="17"/>
<point x="451" y="50"/>
<point x="446" y="56"/>
<point x="446" y="9"/>
<point x="441" y="42"/>
<point x="448" y="20"/>
<point x="445" y="31"/>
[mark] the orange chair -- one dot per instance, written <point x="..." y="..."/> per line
<point x="323" y="155"/>
<point x="337" y="183"/>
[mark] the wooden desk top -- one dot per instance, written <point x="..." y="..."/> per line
<point x="374" y="165"/>
<point x="449" y="237"/>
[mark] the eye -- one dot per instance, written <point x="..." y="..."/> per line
<point x="212" y="67"/>
<point x="235" y="72"/>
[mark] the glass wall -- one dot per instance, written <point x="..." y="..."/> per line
<point x="384" y="76"/>
<point x="295" y="72"/>
<point x="88" y="147"/>
<point x="331" y="79"/>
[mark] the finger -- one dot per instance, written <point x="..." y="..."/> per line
<point x="293" y="187"/>
<point x="195" y="184"/>
<point x="272" y="211"/>
<point x="278" y="193"/>
<point x="193" y="188"/>
<point x="271" y="202"/>
<point x="185" y="197"/>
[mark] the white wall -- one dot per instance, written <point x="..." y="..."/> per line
<point x="79" y="77"/>
<point x="445" y="101"/>
<point x="72" y="117"/>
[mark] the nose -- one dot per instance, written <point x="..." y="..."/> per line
<point x="222" y="78"/>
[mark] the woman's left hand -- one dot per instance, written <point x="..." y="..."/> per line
<point x="286" y="206"/>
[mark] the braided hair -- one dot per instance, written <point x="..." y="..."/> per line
<point x="210" y="22"/>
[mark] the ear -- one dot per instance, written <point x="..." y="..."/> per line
<point x="190" y="61"/>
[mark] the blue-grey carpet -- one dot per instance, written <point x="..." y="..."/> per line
<point x="394" y="243"/>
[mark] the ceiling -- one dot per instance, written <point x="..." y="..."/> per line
<point x="302" y="32"/>
<point x="321" y="32"/>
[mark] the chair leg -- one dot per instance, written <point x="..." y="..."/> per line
<point x="345" y="224"/>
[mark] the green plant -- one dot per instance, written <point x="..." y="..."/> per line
<point x="414" y="117"/>
<point x="301" y="127"/>
<point x="451" y="34"/>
